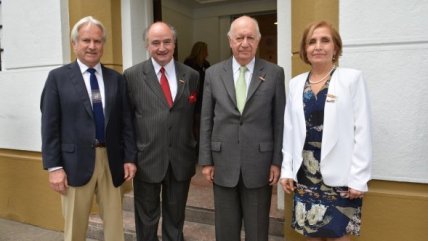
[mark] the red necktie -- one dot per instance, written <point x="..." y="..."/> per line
<point x="165" y="87"/>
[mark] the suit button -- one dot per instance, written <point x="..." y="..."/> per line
<point x="241" y="123"/>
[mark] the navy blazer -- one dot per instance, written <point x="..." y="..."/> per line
<point x="68" y="126"/>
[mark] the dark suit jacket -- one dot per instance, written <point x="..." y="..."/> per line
<point x="68" y="126"/>
<point x="249" y="143"/>
<point x="163" y="135"/>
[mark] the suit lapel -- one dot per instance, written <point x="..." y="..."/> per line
<point x="110" y="88"/>
<point x="257" y="78"/>
<point x="152" y="81"/>
<point x="79" y="84"/>
<point x="298" y="99"/>
<point x="227" y="78"/>
<point x="330" y="117"/>
<point x="181" y="82"/>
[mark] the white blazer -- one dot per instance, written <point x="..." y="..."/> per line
<point x="346" y="149"/>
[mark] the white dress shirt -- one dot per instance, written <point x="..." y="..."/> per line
<point x="248" y="73"/>
<point x="170" y="75"/>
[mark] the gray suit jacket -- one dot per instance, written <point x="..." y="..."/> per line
<point x="249" y="143"/>
<point x="68" y="126"/>
<point x="164" y="136"/>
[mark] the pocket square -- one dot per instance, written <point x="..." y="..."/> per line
<point x="193" y="97"/>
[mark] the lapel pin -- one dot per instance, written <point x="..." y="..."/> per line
<point x="262" y="78"/>
<point x="331" y="98"/>
<point x="181" y="81"/>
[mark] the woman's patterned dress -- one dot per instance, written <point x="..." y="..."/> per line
<point x="319" y="210"/>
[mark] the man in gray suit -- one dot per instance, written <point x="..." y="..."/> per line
<point x="162" y="94"/>
<point x="88" y="144"/>
<point x="241" y="135"/>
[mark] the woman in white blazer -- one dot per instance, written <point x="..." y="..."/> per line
<point x="327" y="147"/>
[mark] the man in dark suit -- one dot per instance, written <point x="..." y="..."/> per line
<point x="162" y="94"/>
<point x="88" y="144"/>
<point x="241" y="135"/>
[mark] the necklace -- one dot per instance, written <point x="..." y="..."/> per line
<point x="323" y="78"/>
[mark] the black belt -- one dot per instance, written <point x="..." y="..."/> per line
<point x="100" y="144"/>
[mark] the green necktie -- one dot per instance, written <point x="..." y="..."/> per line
<point x="241" y="89"/>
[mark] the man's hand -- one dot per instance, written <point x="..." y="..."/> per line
<point x="58" y="181"/>
<point x="273" y="175"/>
<point x="130" y="170"/>
<point x="208" y="172"/>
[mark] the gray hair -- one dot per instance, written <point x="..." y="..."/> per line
<point x="258" y="34"/>
<point x="146" y="31"/>
<point x="89" y="20"/>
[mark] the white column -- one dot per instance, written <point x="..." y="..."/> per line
<point x="284" y="55"/>
<point x="136" y="16"/>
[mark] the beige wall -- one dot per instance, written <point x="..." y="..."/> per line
<point x="24" y="190"/>
<point x="304" y="12"/>
<point x="108" y="12"/>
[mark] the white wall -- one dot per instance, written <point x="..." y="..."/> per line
<point x="388" y="41"/>
<point x="35" y="40"/>
<point x="32" y="33"/>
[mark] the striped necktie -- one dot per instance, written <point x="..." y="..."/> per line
<point x="97" y="107"/>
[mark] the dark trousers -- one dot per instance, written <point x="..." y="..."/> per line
<point x="147" y="208"/>
<point x="237" y="204"/>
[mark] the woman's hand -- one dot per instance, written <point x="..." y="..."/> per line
<point x="287" y="185"/>
<point x="353" y="194"/>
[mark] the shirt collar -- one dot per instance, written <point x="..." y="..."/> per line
<point x="83" y="67"/>
<point x="236" y="65"/>
<point x="169" y="67"/>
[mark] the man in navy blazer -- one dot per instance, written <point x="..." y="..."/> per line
<point x="80" y="163"/>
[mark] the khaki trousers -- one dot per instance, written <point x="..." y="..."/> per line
<point x="77" y="203"/>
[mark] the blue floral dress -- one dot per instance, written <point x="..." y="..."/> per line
<point x="319" y="210"/>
